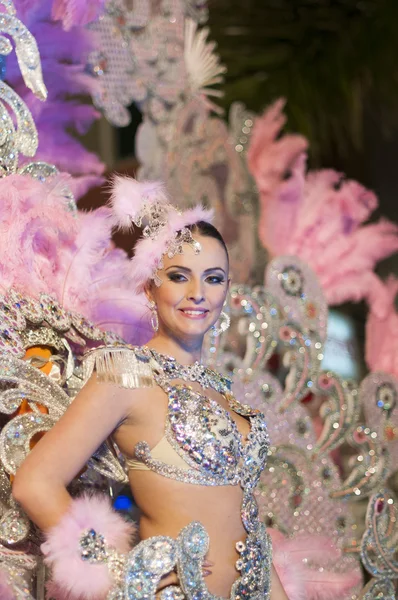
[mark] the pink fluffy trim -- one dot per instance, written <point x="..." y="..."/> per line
<point x="6" y="592"/>
<point x="128" y="196"/>
<point x="74" y="577"/>
<point x="301" y="582"/>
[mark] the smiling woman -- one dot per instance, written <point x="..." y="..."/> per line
<point x="191" y="295"/>
<point x="193" y="453"/>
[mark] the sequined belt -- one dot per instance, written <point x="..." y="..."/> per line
<point x="137" y="574"/>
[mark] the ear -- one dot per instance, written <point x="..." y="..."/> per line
<point x="148" y="292"/>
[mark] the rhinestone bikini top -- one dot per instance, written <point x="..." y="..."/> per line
<point x="197" y="428"/>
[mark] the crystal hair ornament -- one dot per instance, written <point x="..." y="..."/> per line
<point x="165" y="229"/>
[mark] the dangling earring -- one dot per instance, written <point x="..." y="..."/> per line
<point x="221" y="325"/>
<point x="154" y="316"/>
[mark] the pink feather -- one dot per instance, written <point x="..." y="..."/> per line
<point x="46" y="248"/>
<point x="70" y="573"/>
<point x="76" y="12"/>
<point x="317" y="216"/>
<point x="128" y="196"/>
<point x="381" y="348"/>
<point x="6" y="592"/>
<point x="290" y="556"/>
<point x="64" y="64"/>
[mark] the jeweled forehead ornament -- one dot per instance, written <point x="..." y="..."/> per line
<point x="165" y="228"/>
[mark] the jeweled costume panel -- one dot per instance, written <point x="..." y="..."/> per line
<point x="203" y="433"/>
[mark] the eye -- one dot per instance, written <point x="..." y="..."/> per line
<point x="215" y="279"/>
<point x="177" y="277"/>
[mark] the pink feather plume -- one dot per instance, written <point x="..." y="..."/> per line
<point x="291" y="557"/>
<point x="318" y="217"/>
<point x="381" y="349"/>
<point x="46" y="248"/>
<point x="128" y="196"/>
<point x="70" y="573"/>
<point x="6" y="592"/>
<point x="76" y="12"/>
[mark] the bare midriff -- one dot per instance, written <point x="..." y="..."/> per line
<point x="167" y="506"/>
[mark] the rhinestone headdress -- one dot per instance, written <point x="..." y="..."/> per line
<point x="165" y="228"/>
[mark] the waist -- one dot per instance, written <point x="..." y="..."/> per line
<point x="243" y="571"/>
<point x="167" y="505"/>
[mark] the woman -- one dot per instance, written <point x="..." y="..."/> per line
<point x="193" y="453"/>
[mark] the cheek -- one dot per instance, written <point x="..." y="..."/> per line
<point x="169" y="295"/>
<point x="217" y="296"/>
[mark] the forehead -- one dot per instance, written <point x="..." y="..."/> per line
<point x="212" y="255"/>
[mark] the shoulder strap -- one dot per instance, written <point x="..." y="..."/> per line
<point x="127" y="366"/>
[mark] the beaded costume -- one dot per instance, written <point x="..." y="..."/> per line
<point x="205" y="436"/>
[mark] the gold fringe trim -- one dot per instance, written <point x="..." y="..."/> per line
<point x="120" y="365"/>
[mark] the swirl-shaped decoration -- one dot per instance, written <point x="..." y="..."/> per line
<point x="14" y="524"/>
<point x="255" y="321"/>
<point x="293" y="283"/>
<point x="303" y="358"/>
<point x="25" y="383"/>
<point x="339" y="412"/>
<point x="379" y="397"/>
<point x="369" y="469"/>
<point x="379" y="546"/>
<point x="21" y="138"/>
<point x="25" y="48"/>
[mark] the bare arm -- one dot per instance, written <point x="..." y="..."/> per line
<point x="40" y="483"/>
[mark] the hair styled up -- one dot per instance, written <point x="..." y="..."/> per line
<point x="208" y="230"/>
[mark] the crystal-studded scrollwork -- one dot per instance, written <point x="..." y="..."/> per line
<point x="369" y="470"/>
<point x="22" y="137"/>
<point x="296" y="287"/>
<point x="138" y="573"/>
<point x="303" y="357"/>
<point x="26" y="50"/>
<point x="17" y="570"/>
<point x="18" y="133"/>
<point x="379" y="397"/>
<point x="22" y="382"/>
<point x="379" y="546"/>
<point x="14" y="524"/>
<point x="255" y="323"/>
<point x="339" y="412"/>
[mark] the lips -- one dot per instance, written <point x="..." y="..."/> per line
<point x="194" y="313"/>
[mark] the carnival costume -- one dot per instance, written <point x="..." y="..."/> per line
<point x="201" y="446"/>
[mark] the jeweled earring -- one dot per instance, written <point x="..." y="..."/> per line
<point x="221" y="325"/>
<point x="154" y="316"/>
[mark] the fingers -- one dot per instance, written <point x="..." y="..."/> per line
<point x="169" y="579"/>
<point x="172" y="578"/>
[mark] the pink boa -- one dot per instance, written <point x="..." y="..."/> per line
<point x="301" y="582"/>
<point x="71" y="576"/>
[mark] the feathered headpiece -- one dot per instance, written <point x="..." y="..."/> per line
<point x="165" y="229"/>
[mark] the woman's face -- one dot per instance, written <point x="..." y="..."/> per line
<point x="193" y="289"/>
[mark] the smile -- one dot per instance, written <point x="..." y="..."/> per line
<point x="194" y="313"/>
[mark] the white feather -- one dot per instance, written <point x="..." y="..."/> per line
<point x="202" y="63"/>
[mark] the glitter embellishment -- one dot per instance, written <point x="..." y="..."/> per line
<point x="204" y="434"/>
<point x="138" y="573"/>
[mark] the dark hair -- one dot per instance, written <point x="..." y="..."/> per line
<point x="208" y="230"/>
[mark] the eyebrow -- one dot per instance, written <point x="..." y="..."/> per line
<point x="190" y="270"/>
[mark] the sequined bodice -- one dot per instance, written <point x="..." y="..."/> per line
<point x="202" y="432"/>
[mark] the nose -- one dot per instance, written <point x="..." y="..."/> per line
<point x="195" y="292"/>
